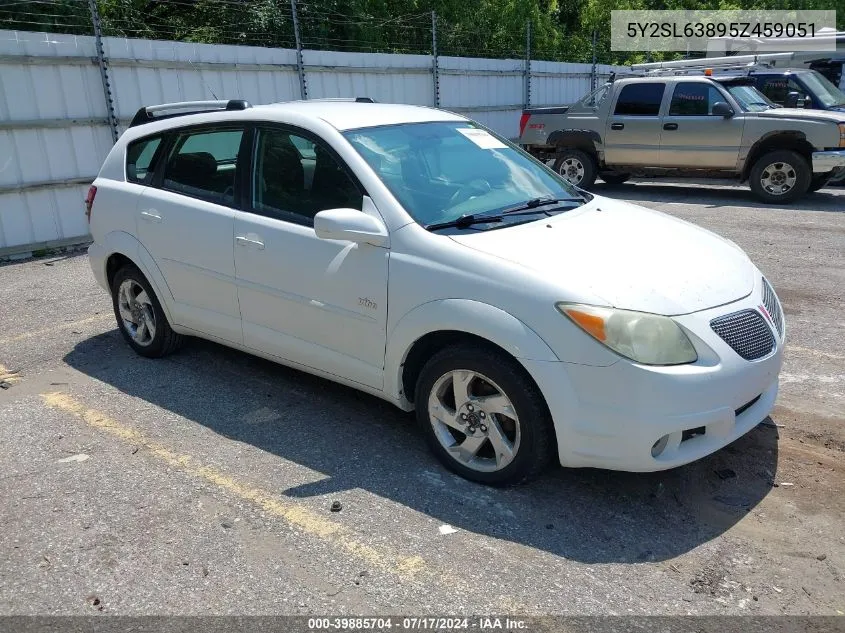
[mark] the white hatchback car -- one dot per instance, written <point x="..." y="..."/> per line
<point x="413" y="254"/>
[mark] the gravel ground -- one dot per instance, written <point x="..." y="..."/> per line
<point x="202" y="483"/>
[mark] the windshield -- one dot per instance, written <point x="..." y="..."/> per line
<point x="749" y="98"/>
<point x="824" y="91"/>
<point x="443" y="170"/>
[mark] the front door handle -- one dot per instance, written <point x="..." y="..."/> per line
<point x="617" y="126"/>
<point x="670" y="126"/>
<point x="150" y="216"/>
<point x="243" y="240"/>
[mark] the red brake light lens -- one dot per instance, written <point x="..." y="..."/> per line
<point x="89" y="201"/>
<point x="523" y="121"/>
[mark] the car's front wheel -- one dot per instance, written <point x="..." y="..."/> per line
<point x="780" y="177"/>
<point x="483" y="416"/>
<point x="139" y="316"/>
<point x="578" y="167"/>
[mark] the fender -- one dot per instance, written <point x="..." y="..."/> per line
<point x="463" y="315"/>
<point x="579" y="139"/>
<point x="125" y="244"/>
<point x="786" y="139"/>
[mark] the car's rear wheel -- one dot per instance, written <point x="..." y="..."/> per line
<point x="614" y="177"/>
<point x="483" y="416"/>
<point x="780" y="177"/>
<point x="578" y="167"/>
<point x="140" y="318"/>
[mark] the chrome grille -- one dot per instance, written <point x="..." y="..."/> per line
<point x="772" y="304"/>
<point x="746" y="332"/>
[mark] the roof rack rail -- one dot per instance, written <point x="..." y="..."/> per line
<point x="183" y="108"/>
<point x="744" y="63"/>
<point x="337" y="99"/>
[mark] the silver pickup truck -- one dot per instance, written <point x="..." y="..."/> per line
<point x="689" y="126"/>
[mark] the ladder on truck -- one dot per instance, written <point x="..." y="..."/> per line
<point x="710" y="65"/>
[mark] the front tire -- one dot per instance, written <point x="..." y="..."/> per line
<point x="483" y="416"/>
<point x="140" y="318"/>
<point x="578" y="167"/>
<point x="779" y="177"/>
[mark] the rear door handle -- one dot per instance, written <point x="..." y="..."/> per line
<point x="617" y="126"/>
<point x="243" y="240"/>
<point x="670" y="126"/>
<point x="150" y="216"/>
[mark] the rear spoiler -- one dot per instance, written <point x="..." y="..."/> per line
<point x="183" y="108"/>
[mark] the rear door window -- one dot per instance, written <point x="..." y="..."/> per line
<point x="202" y="164"/>
<point x="642" y="99"/>
<point x="139" y="159"/>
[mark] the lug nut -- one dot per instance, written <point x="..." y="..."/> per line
<point x="483" y="428"/>
<point x="482" y="415"/>
<point x="463" y="416"/>
<point x="469" y="407"/>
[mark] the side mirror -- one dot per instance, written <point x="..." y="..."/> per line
<point x="720" y="108"/>
<point x="791" y="100"/>
<point x="808" y="102"/>
<point x="350" y="225"/>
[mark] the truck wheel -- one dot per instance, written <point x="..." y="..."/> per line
<point x="819" y="181"/>
<point x="578" y="167"/>
<point x="614" y="177"/>
<point x="780" y="177"/>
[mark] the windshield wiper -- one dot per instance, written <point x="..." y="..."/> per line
<point x="464" y="221"/>
<point x="534" y="203"/>
<point x="468" y="220"/>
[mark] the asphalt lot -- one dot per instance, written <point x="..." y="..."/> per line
<point x="202" y="482"/>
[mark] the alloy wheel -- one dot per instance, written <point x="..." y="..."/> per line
<point x="474" y="420"/>
<point x="136" y="312"/>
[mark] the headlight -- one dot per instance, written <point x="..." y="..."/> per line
<point x="649" y="339"/>
<point x="842" y="135"/>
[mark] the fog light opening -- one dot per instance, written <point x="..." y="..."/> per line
<point x="659" y="446"/>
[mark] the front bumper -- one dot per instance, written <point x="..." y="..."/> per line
<point x="610" y="417"/>
<point x="829" y="160"/>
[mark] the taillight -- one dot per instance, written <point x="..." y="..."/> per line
<point x="89" y="201"/>
<point x="523" y="120"/>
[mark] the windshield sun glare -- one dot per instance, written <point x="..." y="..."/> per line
<point x="446" y="170"/>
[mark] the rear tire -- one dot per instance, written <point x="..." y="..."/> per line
<point x="500" y="432"/>
<point x="577" y="167"/>
<point x="779" y="177"/>
<point x="139" y="315"/>
<point x="614" y="178"/>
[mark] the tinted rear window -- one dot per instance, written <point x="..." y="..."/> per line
<point x="139" y="159"/>
<point x="640" y="99"/>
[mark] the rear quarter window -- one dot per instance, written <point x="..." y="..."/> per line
<point x="139" y="159"/>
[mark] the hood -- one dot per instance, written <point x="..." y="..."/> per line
<point x="632" y="257"/>
<point x="801" y="113"/>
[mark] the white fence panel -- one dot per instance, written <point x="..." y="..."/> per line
<point x="487" y="90"/>
<point x="53" y="136"/>
<point x="54" y="131"/>
<point x="383" y="77"/>
<point x="559" y="83"/>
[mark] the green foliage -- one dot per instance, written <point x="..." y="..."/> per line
<point x="560" y="30"/>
